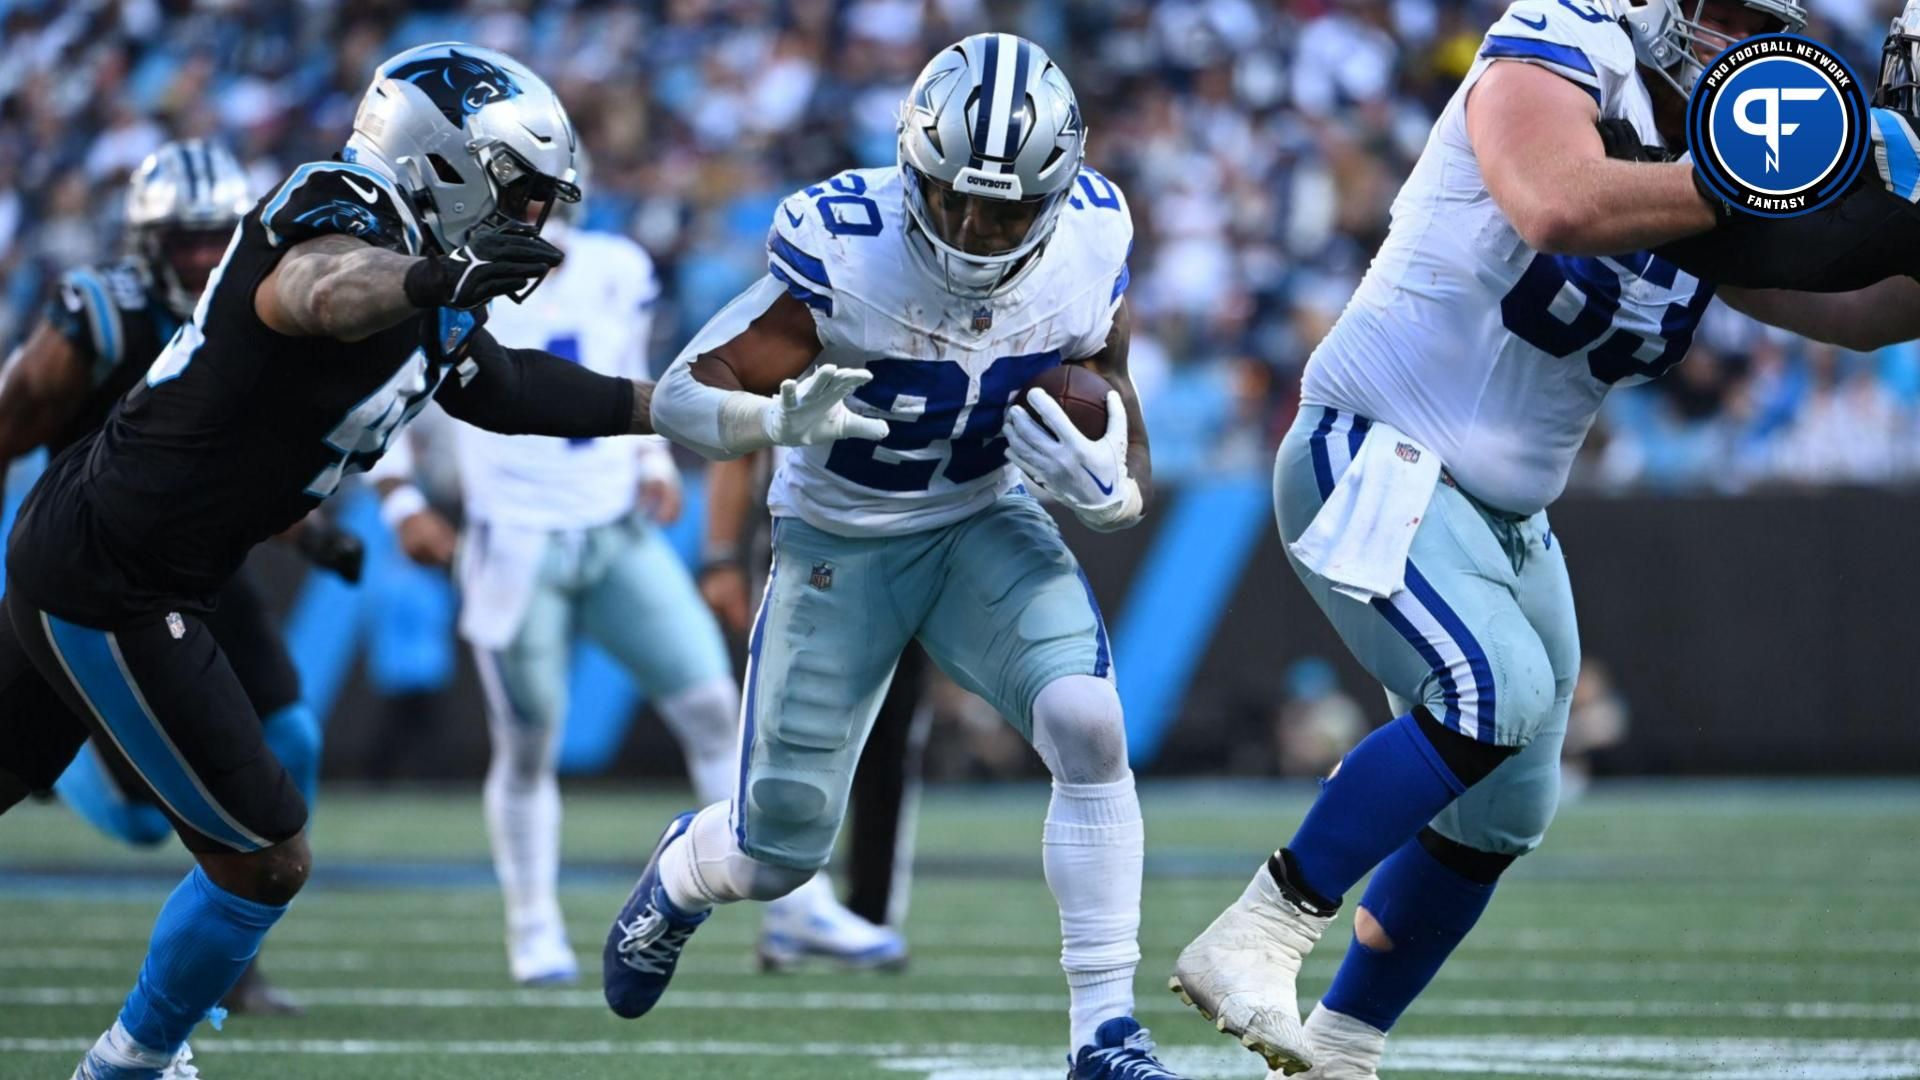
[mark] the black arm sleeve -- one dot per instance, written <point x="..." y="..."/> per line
<point x="529" y="392"/>
<point x="1867" y="235"/>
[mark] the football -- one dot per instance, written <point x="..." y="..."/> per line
<point x="1080" y="391"/>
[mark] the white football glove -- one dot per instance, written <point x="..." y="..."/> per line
<point x="1088" y="475"/>
<point x="810" y="411"/>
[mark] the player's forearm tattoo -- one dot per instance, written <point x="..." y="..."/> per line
<point x="642" y="408"/>
<point x="341" y="288"/>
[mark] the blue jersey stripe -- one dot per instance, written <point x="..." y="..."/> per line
<point x="89" y="658"/>
<point x="799" y="261"/>
<point x="102" y="314"/>
<point x="1502" y="47"/>
<point x="801" y="292"/>
<point x="1903" y="165"/>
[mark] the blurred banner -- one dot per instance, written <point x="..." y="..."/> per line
<point x="1766" y="634"/>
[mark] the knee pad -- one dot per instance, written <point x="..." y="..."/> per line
<point x="293" y="734"/>
<point x="1080" y="731"/>
<point x="1508" y="813"/>
<point x="792" y="819"/>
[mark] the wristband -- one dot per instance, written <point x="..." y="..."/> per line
<point x="400" y="504"/>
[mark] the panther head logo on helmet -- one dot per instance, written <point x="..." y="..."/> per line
<point x="458" y="83"/>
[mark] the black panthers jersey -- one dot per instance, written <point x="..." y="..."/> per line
<point x="235" y="432"/>
<point x="116" y="321"/>
<point x="1867" y="235"/>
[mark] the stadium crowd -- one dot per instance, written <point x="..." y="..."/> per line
<point x="1261" y="144"/>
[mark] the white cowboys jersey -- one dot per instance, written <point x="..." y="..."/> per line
<point x="945" y="367"/>
<point x="596" y="309"/>
<point x="1492" y="354"/>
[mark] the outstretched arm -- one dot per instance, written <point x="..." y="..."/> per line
<point x="1881" y="314"/>
<point x="1533" y="134"/>
<point x="42" y="386"/>
<point x="529" y="392"/>
<point x="736" y="387"/>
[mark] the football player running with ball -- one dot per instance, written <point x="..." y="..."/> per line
<point x="345" y="300"/>
<point x="904" y="311"/>
<point x="1439" y="419"/>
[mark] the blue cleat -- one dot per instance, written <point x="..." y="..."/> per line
<point x="1121" y="1050"/>
<point x="644" y="945"/>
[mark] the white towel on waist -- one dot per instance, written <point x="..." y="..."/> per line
<point x="1360" y="538"/>
<point x="498" y="569"/>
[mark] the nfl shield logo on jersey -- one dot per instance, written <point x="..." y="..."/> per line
<point x="176" y="625"/>
<point x="822" y="577"/>
<point x="982" y="319"/>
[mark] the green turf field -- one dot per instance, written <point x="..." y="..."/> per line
<point x="1731" y="932"/>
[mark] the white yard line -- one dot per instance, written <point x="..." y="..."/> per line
<point x="841" y="1001"/>
<point x="1577" y="1058"/>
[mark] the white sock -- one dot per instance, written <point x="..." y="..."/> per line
<point x="522" y="798"/>
<point x="1092" y="848"/>
<point x="706" y="867"/>
<point x="816" y="894"/>
<point x="705" y="719"/>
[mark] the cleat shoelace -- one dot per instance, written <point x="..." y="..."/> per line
<point x="650" y="944"/>
<point x="1134" y="1060"/>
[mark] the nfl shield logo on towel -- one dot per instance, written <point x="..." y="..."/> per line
<point x="822" y="577"/>
<point x="982" y="319"/>
<point x="1407" y="453"/>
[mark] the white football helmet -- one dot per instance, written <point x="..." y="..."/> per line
<point x="990" y="143"/>
<point x="1669" y="36"/>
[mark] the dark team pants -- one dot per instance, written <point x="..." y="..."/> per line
<point x="158" y="693"/>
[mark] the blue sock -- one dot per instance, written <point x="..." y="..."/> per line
<point x="293" y="734"/>
<point x="1426" y="908"/>
<point x="201" y="942"/>
<point x="1382" y="795"/>
<point x="87" y="789"/>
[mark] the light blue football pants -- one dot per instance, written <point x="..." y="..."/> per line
<point x="997" y="600"/>
<point x="622" y="586"/>
<point x="1483" y="636"/>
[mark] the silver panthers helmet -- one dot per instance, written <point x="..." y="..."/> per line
<point x="182" y="204"/>
<point x="472" y="135"/>
<point x="990" y="143"/>
<point x="1669" y="36"/>
<point x="1899" y="87"/>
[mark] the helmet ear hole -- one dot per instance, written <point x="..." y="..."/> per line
<point x="444" y="169"/>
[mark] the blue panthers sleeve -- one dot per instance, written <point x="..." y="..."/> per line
<point x="339" y="197"/>
<point x="1571" y="38"/>
<point x="84" y="313"/>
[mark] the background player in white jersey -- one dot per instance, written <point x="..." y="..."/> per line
<point x="932" y="293"/>
<point x="1439" y="418"/>
<point x="560" y="540"/>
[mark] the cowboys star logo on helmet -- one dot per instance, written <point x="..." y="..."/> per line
<point x="1778" y="125"/>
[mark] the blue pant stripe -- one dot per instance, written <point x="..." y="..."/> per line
<point x="1429" y="597"/>
<point x="1102" y="654"/>
<point x="94" y="669"/>
<point x="754" y="643"/>
<point x="1449" y="691"/>
<point x="1322" y="465"/>
<point x="1357" y="434"/>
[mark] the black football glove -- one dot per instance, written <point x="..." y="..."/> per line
<point x="330" y="547"/>
<point x="1623" y="142"/>
<point x="508" y="261"/>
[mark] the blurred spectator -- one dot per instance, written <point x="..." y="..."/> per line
<point x="1317" y="723"/>
<point x="1598" y="720"/>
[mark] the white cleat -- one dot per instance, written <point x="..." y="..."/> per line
<point x="1240" y="972"/>
<point x="181" y="1067"/>
<point x="1343" y="1048"/>
<point x="812" y="924"/>
<point x="540" y="955"/>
